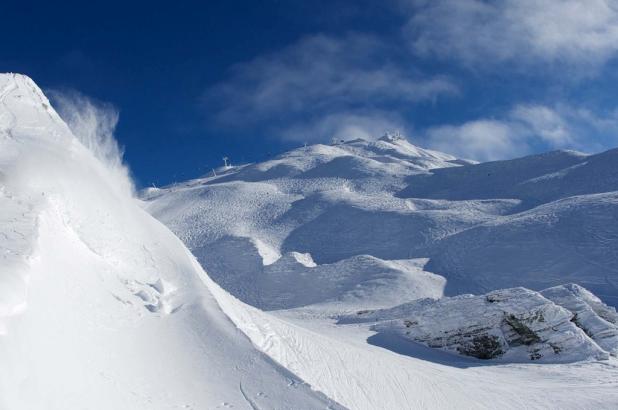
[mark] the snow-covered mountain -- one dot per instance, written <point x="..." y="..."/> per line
<point x="537" y="221"/>
<point x="102" y="306"/>
<point x="357" y="242"/>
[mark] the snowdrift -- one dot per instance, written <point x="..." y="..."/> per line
<point x="101" y="306"/>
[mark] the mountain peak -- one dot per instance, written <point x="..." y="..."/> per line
<point x="393" y="137"/>
<point x="26" y="106"/>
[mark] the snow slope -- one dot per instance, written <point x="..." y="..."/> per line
<point x="574" y="239"/>
<point x="538" y="221"/>
<point x="363" y="369"/>
<point x="101" y="306"/>
<point x="311" y="200"/>
<point x="325" y="231"/>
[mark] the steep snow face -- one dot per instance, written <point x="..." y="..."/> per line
<point x="100" y="305"/>
<point x="509" y="325"/>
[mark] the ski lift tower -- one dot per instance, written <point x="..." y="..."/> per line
<point x="226" y="163"/>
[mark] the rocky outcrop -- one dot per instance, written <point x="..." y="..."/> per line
<point x="512" y="325"/>
<point x="594" y="317"/>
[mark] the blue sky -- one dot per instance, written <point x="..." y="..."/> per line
<point x="194" y="81"/>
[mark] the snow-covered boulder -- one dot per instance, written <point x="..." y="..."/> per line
<point x="594" y="317"/>
<point x="513" y="325"/>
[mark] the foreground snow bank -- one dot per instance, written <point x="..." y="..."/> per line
<point x="511" y="324"/>
<point x="101" y="306"/>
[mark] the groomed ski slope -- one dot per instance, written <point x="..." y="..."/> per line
<point x="101" y="306"/>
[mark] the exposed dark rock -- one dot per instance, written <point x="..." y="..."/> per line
<point x="526" y="335"/>
<point x="482" y="347"/>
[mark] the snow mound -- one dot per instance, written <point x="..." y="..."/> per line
<point x="353" y="160"/>
<point x="295" y="280"/>
<point x="101" y="306"/>
<point x="511" y="325"/>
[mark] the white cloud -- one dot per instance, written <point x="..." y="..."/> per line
<point x="525" y="129"/>
<point x="365" y="124"/>
<point x="581" y="33"/>
<point x="544" y="122"/>
<point x="321" y="78"/>
<point x="482" y="140"/>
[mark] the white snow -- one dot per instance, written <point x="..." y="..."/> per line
<point x="364" y="370"/>
<point x="102" y="306"/>
<point x="598" y="320"/>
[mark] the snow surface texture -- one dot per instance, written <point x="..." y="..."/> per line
<point x="101" y="306"/>
<point x="513" y="325"/>
<point x="538" y="221"/>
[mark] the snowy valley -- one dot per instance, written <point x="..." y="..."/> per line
<point x="360" y="275"/>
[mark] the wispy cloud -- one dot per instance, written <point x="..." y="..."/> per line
<point x="367" y="124"/>
<point x="303" y="88"/>
<point x="359" y="85"/>
<point x="481" y="140"/>
<point x="481" y="33"/>
<point x="525" y="129"/>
